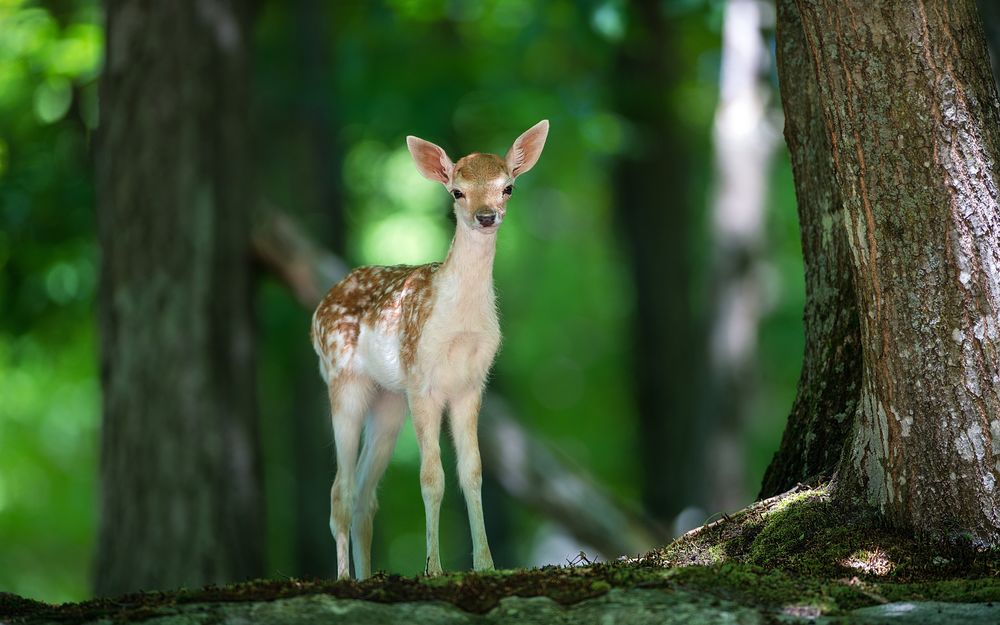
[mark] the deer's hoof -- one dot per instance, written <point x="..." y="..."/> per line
<point x="482" y="562"/>
<point x="432" y="569"/>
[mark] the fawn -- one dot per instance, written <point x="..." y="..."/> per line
<point x="424" y="335"/>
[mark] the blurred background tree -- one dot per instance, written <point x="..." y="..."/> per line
<point x="181" y="499"/>
<point x="604" y="271"/>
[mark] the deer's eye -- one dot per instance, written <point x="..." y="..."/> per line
<point x="508" y="190"/>
<point x="458" y="194"/>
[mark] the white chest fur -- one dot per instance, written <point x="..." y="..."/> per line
<point x="460" y="339"/>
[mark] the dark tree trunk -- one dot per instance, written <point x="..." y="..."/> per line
<point x="830" y="382"/>
<point x="312" y="436"/>
<point x="317" y="115"/>
<point x="990" y="12"/>
<point x="656" y="206"/>
<point x="910" y="113"/>
<point x="181" y="500"/>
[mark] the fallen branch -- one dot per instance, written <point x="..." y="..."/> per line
<point x="527" y="468"/>
<point x="306" y="269"/>
<point x="532" y="472"/>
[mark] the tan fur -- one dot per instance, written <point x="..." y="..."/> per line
<point x="481" y="167"/>
<point x="428" y="333"/>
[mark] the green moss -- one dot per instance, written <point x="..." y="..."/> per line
<point x="799" y="553"/>
<point x="963" y="590"/>
<point x="777" y="590"/>
<point x="802" y="535"/>
<point x="749" y="585"/>
<point x="806" y="533"/>
<point x="439" y="581"/>
<point x="770" y="589"/>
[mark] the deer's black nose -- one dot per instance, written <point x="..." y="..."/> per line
<point x="486" y="217"/>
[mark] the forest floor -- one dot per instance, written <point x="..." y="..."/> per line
<point x="793" y="558"/>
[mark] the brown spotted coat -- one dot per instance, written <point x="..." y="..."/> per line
<point x="396" y="300"/>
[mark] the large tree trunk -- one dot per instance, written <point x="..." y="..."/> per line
<point x="830" y="380"/>
<point x="181" y="500"/>
<point x="656" y="205"/>
<point x="910" y="111"/>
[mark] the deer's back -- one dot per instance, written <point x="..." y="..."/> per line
<point x="369" y="323"/>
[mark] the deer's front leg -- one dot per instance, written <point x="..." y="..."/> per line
<point x="427" y="423"/>
<point x="464" y="415"/>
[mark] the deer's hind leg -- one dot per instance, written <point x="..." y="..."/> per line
<point x="381" y="431"/>
<point x="349" y="397"/>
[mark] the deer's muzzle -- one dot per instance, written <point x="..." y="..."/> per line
<point x="486" y="217"/>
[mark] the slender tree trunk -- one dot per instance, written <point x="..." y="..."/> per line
<point x="181" y="500"/>
<point x="656" y="206"/>
<point x="745" y="139"/>
<point x="911" y="115"/>
<point x="830" y="382"/>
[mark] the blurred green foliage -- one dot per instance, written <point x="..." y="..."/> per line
<point x="337" y="87"/>
<point x="49" y="63"/>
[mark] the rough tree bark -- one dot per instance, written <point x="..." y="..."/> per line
<point x="831" y="367"/>
<point x="181" y="500"/>
<point x="911" y="117"/>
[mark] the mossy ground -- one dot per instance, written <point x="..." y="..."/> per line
<point x="797" y="553"/>
<point x="804" y="533"/>
<point x="802" y="549"/>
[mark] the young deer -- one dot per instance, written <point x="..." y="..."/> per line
<point x="425" y="335"/>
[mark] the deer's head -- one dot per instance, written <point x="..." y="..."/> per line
<point x="480" y="183"/>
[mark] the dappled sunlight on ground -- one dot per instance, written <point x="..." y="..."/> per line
<point x="870" y="562"/>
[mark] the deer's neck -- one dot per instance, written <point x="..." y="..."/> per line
<point x="466" y="276"/>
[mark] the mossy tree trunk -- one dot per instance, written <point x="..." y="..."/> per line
<point x="181" y="500"/>
<point x="909" y="112"/>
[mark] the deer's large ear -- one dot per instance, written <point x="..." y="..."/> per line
<point x="431" y="160"/>
<point x="523" y="155"/>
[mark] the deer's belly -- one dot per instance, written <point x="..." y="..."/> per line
<point x="380" y="352"/>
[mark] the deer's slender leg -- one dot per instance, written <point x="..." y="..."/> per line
<point x="381" y="431"/>
<point x="348" y="401"/>
<point x="464" y="418"/>
<point x="427" y="423"/>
